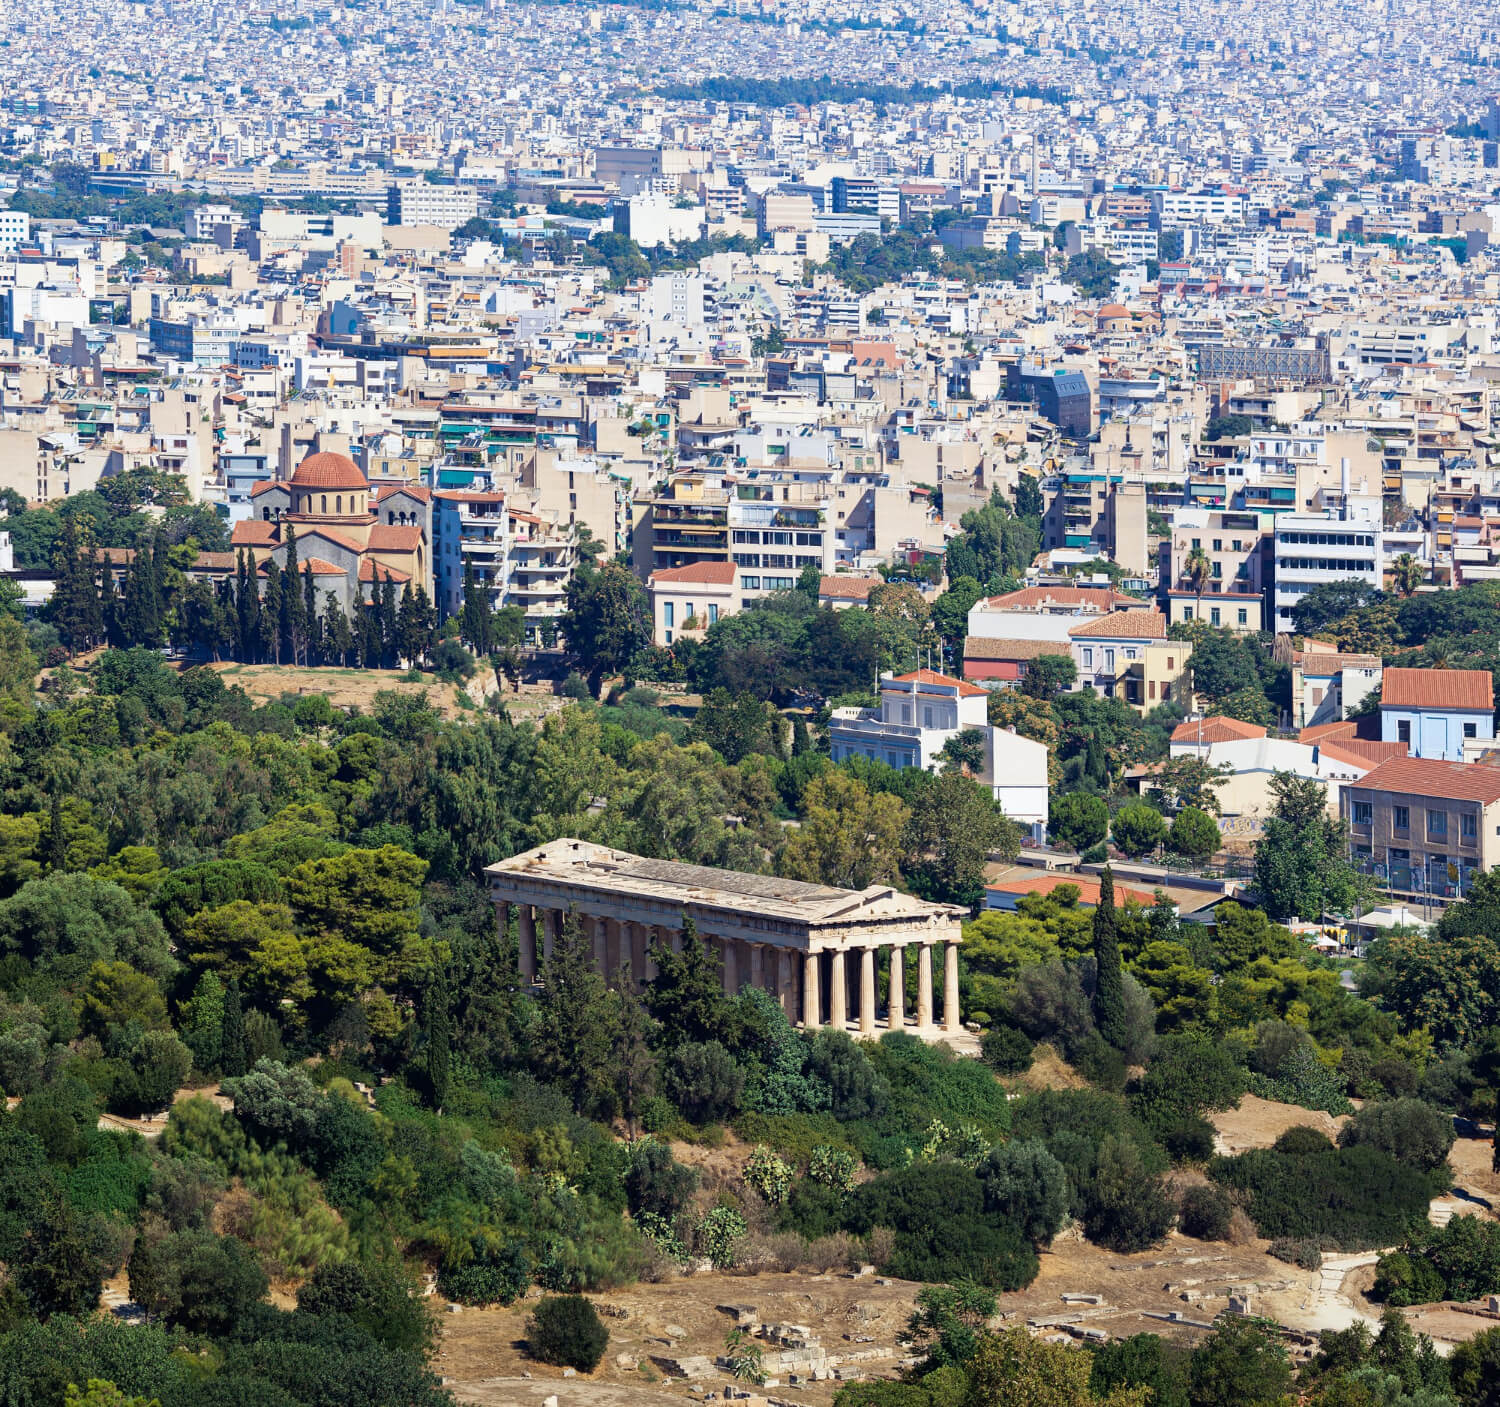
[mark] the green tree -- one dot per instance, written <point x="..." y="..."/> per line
<point x="1048" y="675"/>
<point x="848" y="837"/>
<point x="1301" y="865"/>
<point x="1078" y="820"/>
<point x="232" y="1037"/>
<point x="955" y="829"/>
<point x="1138" y="829"/>
<point x="1193" y="834"/>
<point x="608" y="620"/>
<point x="437" y="1004"/>
<point x="686" y="997"/>
<point x="573" y="1032"/>
<point x="1238" y="1365"/>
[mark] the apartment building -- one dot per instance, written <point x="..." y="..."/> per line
<point x="1237" y="549"/>
<point x="1099" y="513"/>
<point x="1315" y="549"/>
<point x="1327" y="684"/>
<point x="421" y="203"/>
<point x="1424" y="827"/>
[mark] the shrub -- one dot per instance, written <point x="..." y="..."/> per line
<point x="1126" y="1209"/>
<point x="1006" y="1050"/>
<point x="656" y="1182"/>
<point x="942" y="1231"/>
<point x="1412" y="1132"/>
<point x="1305" y="1254"/>
<point x="566" y="1331"/>
<point x="1403" y="1279"/>
<point x="1027" y="1186"/>
<point x="780" y="1250"/>
<point x="1465" y="1254"/>
<point x="1303" y="1188"/>
<point x="705" y="1081"/>
<point x="1205" y="1213"/>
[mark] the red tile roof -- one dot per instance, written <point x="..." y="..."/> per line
<point x="1216" y="730"/>
<point x="368" y="570"/>
<point x="395" y="537"/>
<point x="847" y="588"/>
<point x="327" y="470"/>
<point x="931" y="676"/>
<point x="1419" y="776"/>
<point x="987" y="647"/>
<point x="252" y="532"/>
<point x="1361" y="752"/>
<point x="1087" y="886"/>
<point x="1470" y="689"/>
<point x="695" y="574"/>
<point x="1321" y="732"/>
<point x="1099" y="598"/>
<point x="416" y="491"/>
<point x="1126" y="625"/>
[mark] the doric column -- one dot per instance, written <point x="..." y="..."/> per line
<point x="526" y="935"/>
<point x="895" y="1018"/>
<point x="613" y="957"/>
<point x="924" y="986"/>
<point x="674" y="939"/>
<point x="729" y="948"/>
<point x="867" y="991"/>
<point x="812" y="1014"/>
<point x="600" y="931"/>
<point x="950" y="986"/>
<point x="838" y="992"/>
<point x="502" y="919"/>
<point x="758" y="965"/>
<point x="552" y="921"/>
<point x="637" y="942"/>
<point x="786" y="984"/>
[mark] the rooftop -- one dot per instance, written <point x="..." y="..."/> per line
<point x="1419" y="776"/>
<point x="1470" y="689"/>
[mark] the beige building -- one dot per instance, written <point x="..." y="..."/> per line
<point x="811" y="947"/>
<point x="685" y="601"/>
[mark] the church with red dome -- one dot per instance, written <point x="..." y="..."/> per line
<point x="354" y="535"/>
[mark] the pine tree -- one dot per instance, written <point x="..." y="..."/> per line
<point x="631" y="1057"/>
<point x="270" y="620"/>
<point x="1109" y="981"/>
<point x="232" y="1044"/>
<point x="439" y="1040"/>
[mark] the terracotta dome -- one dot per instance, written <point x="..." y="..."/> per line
<point x="327" y="470"/>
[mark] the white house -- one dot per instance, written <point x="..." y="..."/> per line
<point x="1434" y="711"/>
<point x="919" y="713"/>
<point x="685" y="601"/>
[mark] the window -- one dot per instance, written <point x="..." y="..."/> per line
<point x="927" y="718"/>
<point x="668" y="611"/>
<point x="1403" y="730"/>
<point x="1244" y="616"/>
<point x="1437" y="823"/>
<point x="906" y="713"/>
<point x="1187" y="613"/>
<point x="1088" y="657"/>
<point x="1109" y="661"/>
<point x="1400" y="818"/>
<point x="687" y="611"/>
<point x="1197" y="542"/>
<point x="713" y="614"/>
<point x="323" y="503"/>
<point x="1363" y="813"/>
<point x="1471" y="730"/>
<point x="1171" y="663"/>
<point x="1468" y="826"/>
<point x="1213" y="616"/>
<point x="1218" y="544"/>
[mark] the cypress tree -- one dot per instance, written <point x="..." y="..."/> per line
<point x="293" y="623"/>
<point x="245" y="595"/>
<point x="390" y="639"/>
<point x="91" y="611"/>
<point x="312" y="644"/>
<point x="439" y="1040"/>
<point x="57" y="848"/>
<point x="408" y="644"/>
<point x="232" y="1042"/>
<point x="1109" y="981"/>
<point x="270" y="617"/>
<point x="338" y="639"/>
